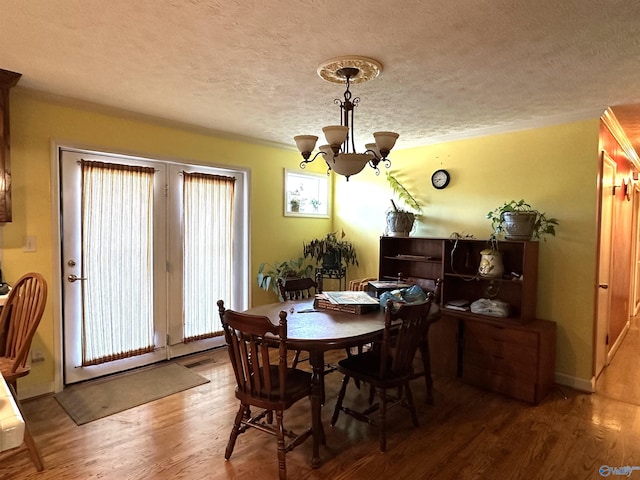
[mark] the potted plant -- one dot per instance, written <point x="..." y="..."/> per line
<point x="517" y="220"/>
<point x="400" y="221"/>
<point x="268" y="274"/>
<point x="331" y="252"/>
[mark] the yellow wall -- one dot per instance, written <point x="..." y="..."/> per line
<point x="553" y="168"/>
<point x="36" y="122"/>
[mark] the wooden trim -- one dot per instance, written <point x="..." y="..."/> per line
<point x="7" y="81"/>
<point x="611" y="122"/>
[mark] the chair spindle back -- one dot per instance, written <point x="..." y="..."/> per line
<point x="403" y="332"/>
<point x="250" y="353"/>
<point x="21" y="316"/>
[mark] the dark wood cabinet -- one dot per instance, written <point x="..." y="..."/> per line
<point x="513" y="355"/>
<point x="7" y="81"/>
<point x="516" y="360"/>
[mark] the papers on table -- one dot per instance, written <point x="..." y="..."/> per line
<point x="349" y="298"/>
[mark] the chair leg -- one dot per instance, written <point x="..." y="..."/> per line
<point x="426" y="365"/>
<point x="296" y="359"/>
<point x="372" y="395"/>
<point x="34" y="452"/>
<point x="234" y="431"/>
<point x="336" y="410"/>
<point x="382" y="419"/>
<point x="411" y="405"/>
<point x="282" y="466"/>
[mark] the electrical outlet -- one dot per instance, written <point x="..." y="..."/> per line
<point x="37" y="356"/>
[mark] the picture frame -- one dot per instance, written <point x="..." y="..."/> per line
<point x="306" y="194"/>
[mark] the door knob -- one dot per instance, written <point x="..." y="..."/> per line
<point x="603" y="285"/>
<point x="73" y="278"/>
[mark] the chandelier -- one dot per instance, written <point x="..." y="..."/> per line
<point x="340" y="153"/>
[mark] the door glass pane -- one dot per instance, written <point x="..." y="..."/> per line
<point x="117" y="234"/>
<point x="208" y="251"/>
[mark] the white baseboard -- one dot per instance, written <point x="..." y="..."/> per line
<point x="35" y="390"/>
<point x="581" y="384"/>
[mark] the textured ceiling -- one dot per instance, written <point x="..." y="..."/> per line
<point x="451" y="68"/>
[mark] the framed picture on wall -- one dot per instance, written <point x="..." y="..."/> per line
<point x="306" y="194"/>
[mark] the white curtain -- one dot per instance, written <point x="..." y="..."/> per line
<point x="208" y="250"/>
<point x="117" y="223"/>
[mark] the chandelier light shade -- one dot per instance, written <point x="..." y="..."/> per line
<point x="340" y="153"/>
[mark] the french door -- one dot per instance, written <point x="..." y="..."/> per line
<point x="148" y="247"/>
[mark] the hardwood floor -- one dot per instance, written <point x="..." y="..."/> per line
<point x="619" y="380"/>
<point x="467" y="434"/>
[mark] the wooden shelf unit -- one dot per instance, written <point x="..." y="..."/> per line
<point x="513" y="355"/>
<point x="410" y="257"/>
<point x="462" y="281"/>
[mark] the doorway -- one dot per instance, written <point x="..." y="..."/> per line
<point x="606" y="225"/>
<point x="147" y="248"/>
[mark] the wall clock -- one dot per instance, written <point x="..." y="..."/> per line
<point x="440" y="179"/>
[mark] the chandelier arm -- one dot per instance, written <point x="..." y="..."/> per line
<point x="375" y="160"/>
<point x="304" y="162"/>
<point x="352" y="129"/>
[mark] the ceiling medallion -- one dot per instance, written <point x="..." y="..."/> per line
<point x="368" y="68"/>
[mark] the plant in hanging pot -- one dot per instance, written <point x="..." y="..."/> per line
<point x="517" y="220"/>
<point x="330" y="252"/>
<point x="400" y="221"/>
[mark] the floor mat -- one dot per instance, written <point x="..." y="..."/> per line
<point x="100" y="398"/>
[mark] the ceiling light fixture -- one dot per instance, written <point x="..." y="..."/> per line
<point x="340" y="152"/>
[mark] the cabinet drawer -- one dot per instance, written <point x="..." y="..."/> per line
<point x="525" y="367"/>
<point x="520" y="389"/>
<point x="475" y="329"/>
<point x="500" y="349"/>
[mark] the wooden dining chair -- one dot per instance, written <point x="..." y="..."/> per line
<point x="360" y="284"/>
<point x="19" y="321"/>
<point x="388" y="366"/>
<point x="434" y="286"/>
<point x="253" y="342"/>
<point x="296" y="289"/>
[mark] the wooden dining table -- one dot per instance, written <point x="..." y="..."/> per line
<point x="317" y="331"/>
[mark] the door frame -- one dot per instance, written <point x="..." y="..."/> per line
<point x="634" y="306"/>
<point x="601" y="352"/>
<point x="243" y="301"/>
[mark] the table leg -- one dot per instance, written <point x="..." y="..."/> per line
<point x="316" y="359"/>
<point x="426" y="365"/>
